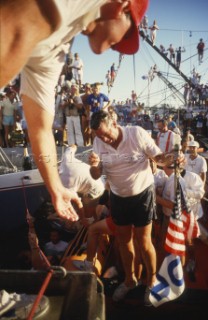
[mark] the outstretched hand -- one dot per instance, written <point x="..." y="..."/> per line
<point x="63" y="203"/>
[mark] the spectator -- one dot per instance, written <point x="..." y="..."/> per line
<point x="200" y="50"/>
<point x="96" y="100"/>
<point x="162" y="50"/>
<point x="172" y="53"/>
<point x="86" y="132"/>
<point x="9" y="109"/>
<point x="178" y="57"/>
<point x="195" y="162"/>
<point x="166" y="139"/>
<point x="41" y="60"/>
<point x="153" y="32"/>
<point x="77" y="69"/>
<point x="73" y="107"/>
<point x="144" y="25"/>
<point x="187" y="135"/>
<point x="112" y="73"/>
<point x="55" y="248"/>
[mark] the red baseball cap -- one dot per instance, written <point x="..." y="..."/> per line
<point x="130" y="45"/>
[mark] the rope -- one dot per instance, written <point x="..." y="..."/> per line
<point x="41" y="255"/>
<point x="40" y="294"/>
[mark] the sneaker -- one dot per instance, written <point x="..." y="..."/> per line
<point x="121" y="291"/>
<point x="20" y="305"/>
<point x="83" y="265"/>
<point x="147" y="301"/>
<point x="25" y="304"/>
<point x="6" y="301"/>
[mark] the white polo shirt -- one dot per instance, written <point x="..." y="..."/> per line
<point x="127" y="168"/>
<point x="197" y="165"/>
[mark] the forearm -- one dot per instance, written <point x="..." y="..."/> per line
<point x="163" y="202"/>
<point x="164" y="159"/>
<point x="42" y="142"/>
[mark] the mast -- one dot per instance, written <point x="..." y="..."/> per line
<point x="166" y="59"/>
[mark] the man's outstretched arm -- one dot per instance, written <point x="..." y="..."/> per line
<point x="44" y="151"/>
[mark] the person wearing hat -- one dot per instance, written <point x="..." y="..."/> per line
<point x="39" y="51"/>
<point x="195" y="162"/>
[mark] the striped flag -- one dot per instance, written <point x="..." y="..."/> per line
<point x="182" y="225"/>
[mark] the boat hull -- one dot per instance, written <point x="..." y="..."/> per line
<point x="20" y="191"/>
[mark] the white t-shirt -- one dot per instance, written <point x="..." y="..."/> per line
<point x="166" y="140"/>
<point x="127" y="168"/>
<point x="41" y="72"/>
<point x="55" y="248"/>
<point x="160" y="178"/>
<point x="194" y="192"/>
<point x="197" y="165"/>
<point x="76" y="176"/>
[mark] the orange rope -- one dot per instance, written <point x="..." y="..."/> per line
<point x="40" y="294"/>
<point x="50" y="271"/>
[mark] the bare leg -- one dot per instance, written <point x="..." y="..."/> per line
<point x="94" y="231"/>
<point x="126" y="248"/>
<point x="143" y="235"/>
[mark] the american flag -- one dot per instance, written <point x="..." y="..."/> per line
<point x="182" y="225"/>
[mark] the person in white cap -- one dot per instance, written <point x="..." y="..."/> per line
<point x="195" y="162"/>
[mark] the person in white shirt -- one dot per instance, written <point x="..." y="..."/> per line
<point x="77" y="68"/>
<point x="75" y="176"/>
<point x="122" y="154"/>
<point x="166" y="139"/>
<point x="195" y="162"/>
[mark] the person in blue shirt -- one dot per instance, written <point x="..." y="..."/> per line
<point x="96" y="100"/>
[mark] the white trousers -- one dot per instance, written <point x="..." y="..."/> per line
<point x="74" y="131"/>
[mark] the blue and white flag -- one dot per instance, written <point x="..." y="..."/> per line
<point x="170" y="282"/>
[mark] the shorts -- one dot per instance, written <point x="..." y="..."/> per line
<point x="111" y="225"/>
<point x="8" y="120"/>
<point x="138" y="210"/>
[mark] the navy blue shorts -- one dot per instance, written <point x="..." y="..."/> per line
<point x="138" y="210"/>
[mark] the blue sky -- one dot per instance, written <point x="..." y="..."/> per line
<point x="182" y="23"/>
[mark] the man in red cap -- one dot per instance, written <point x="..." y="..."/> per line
<point x="36" y="42"/>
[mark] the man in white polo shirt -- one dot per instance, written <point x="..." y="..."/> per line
<point x="122" y="154"/>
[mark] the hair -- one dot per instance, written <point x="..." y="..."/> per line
<point x="100" y="117"/>
<point x="163" y="121"/>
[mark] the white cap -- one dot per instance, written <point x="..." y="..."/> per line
<point x="193" y="144"/>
